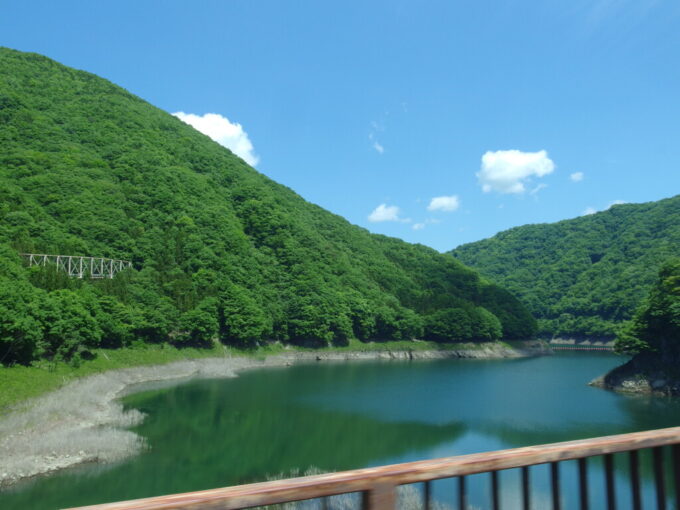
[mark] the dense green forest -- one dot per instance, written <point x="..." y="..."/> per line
<point x="584" y="276"/>
<point x="219" y="250"/>
<point x="655" y="327"/>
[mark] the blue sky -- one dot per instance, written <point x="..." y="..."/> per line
<point x="495" y="109"/>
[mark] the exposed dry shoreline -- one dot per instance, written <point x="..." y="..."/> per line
<point x="84" y="421"/>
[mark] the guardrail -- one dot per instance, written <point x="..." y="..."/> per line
<point x="379" y="485"/>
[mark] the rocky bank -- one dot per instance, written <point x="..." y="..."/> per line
<point x="647" y="373"/>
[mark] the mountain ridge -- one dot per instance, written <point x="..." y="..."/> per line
<point x="583" y="276"/>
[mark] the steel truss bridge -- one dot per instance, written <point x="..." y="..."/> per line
<point x="79" y="267"/>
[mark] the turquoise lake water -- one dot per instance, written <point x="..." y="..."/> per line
<point x="337" y="416"/>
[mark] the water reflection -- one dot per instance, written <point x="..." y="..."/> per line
<point x="209" y="434"/>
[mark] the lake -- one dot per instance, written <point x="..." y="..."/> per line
<point x="336" y="416"/>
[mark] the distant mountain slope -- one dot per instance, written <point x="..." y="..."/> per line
<point x="219" y="249"/>
<point x="586" y="275"/>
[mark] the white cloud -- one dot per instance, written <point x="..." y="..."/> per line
<point x="447" y="204"/>
<point x="384" y="212"/>
<point x="508" y="171"/>
<point x="426" y="222"/>
<point x="228" y="134"/>
<point x="375" y="144"/>
<point x="592" y="210"/>
<point x="538" y="188"/>
<point x="576" y="176"/>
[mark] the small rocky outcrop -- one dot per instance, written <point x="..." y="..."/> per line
<point x="646" y="373"/>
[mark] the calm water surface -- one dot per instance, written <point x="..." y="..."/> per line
<point x="268" y="422"/>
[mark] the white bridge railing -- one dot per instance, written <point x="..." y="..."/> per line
<point x="79" y="267"/>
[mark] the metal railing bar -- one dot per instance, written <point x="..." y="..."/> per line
<point x="583" y="483"/>
<point x="657" y="455"/>
<point x="324" y="503"/>
<point x="462" y="493"/>
<point x="526" y="491"/>
<point x="609" y="481"/>
<point x="427" y="495"/>
<point x="495" y="502"/>
<point x="555" y="485"/>
<point x="676" y="474"/>
<point x="635" y="480"/>
<point x="281" y="491"/>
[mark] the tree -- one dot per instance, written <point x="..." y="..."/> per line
<point x="656" y="324"/>
<point x="485" y="325"/>
<point x="198" y="327"/>
<point x="242" y="321"/>
<point x="68" y="327"/>
<point x="20" y="332"/>
<point x="117" y="322"/>
<point x="449" y="325"/>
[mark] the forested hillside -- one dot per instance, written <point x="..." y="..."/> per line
<point x="219" y="250"/>
<point x="582" y="276"/>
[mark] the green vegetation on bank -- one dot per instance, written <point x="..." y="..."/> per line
<point x="655" y="327"/>
<point x="219" y="250"/>
<point x="584" y="276"/>
<point x="20" y="382"/>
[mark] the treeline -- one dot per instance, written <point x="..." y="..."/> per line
<point x="220" y="252"/>
<point x="586" y="276"/>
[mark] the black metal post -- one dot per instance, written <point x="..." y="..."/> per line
<point x="526" y="491"/>
<point x="657" y="454"/>
<point x="495" y="501"/>
<point x="635" y="480"/>
<point x="583" y="483"/>
<point x="462" y="494"/>
<point x="555" y="480"/>
<point x="609" y="481"/>
<point x="427" y="495"/>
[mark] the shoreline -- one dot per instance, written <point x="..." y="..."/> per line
<point x="84" y="421"/>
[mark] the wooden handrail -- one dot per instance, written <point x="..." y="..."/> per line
<point x="379" y="482"/>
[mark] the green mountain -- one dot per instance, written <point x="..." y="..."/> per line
<point x="218" y="249"/>
<point x="584" y="276"/>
